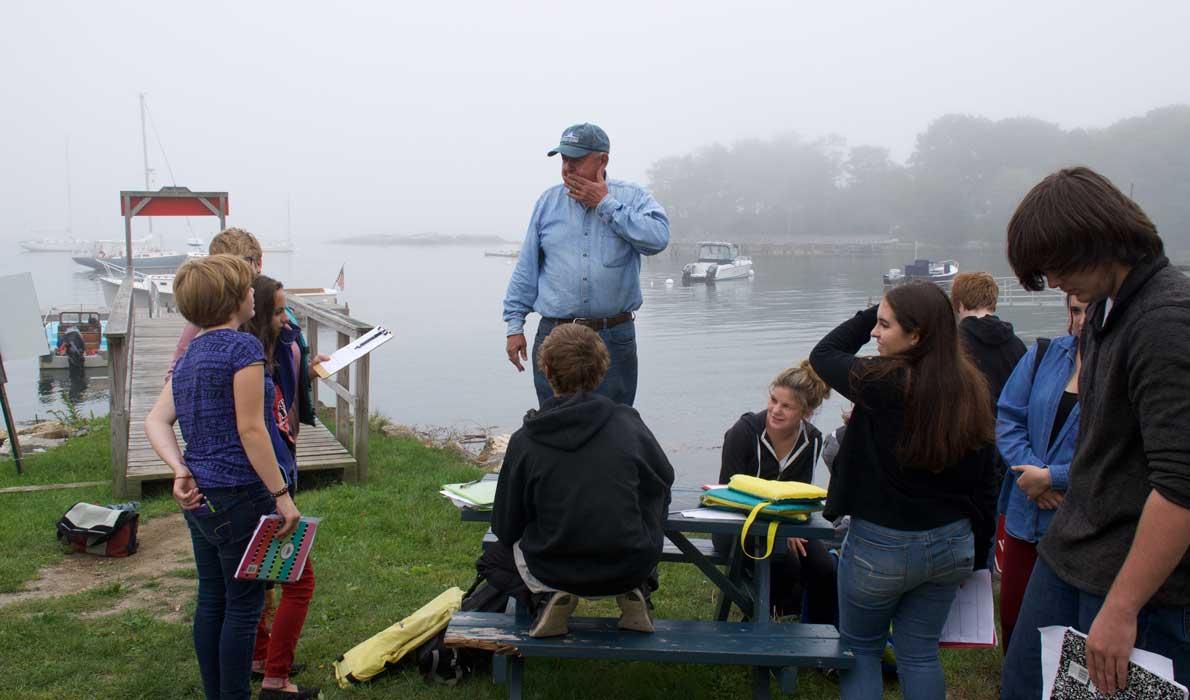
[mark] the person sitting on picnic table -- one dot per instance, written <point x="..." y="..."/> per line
<point x="582" y="496"/>
<point x="781" y="443"/>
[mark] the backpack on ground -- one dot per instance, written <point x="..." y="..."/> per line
<point x="106" y="532"/>
<point x="449" y="665"/>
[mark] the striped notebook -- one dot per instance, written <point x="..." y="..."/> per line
<point x="268" y="558"/>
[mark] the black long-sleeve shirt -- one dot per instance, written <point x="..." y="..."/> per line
<point x="869" y="481"/>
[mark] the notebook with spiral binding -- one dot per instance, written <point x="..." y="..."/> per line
<point x="269" y="558"/>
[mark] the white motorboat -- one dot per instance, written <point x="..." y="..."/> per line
<point x="502" y="253"/>
<point x="144" y="287"/>
<point x="718" y="261"/>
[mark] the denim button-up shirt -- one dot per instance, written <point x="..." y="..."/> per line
<point x="585" y="263"/>
<point x="1024" y="423"/>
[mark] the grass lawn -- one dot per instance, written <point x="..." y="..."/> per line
<point x="383" y="550"/>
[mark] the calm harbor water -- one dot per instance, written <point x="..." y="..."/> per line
<point x="706" y="354"/>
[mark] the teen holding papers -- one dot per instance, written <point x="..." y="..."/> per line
<point x="916" y="473"/>
<point x="284" y="375"/>
<point x="229" y="476"/>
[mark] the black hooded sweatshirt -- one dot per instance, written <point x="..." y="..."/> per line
<point x="585" y="490"/>
<point x="993" y="348"/>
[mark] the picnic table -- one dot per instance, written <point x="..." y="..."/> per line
<point x="770" y="648"/>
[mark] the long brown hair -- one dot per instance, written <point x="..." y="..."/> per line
<point x="947" y="407"/>
<point x="261" y="323"/>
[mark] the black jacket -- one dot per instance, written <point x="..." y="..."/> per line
<point x="868" y="480"/>
<point x="1134" y="431"/>
<point x="994" y="348"/>
<point x="743" y="453"/>
<point x="585" y="490"/>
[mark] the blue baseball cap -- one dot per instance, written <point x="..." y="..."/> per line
<point x="580" y="140"/>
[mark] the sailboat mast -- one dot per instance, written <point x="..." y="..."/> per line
<point x="144" y="146"/>
<point x="288" y="224"/>
<point x="69" y="198"/>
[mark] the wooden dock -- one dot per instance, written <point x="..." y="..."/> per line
<point x="151" y="347"/>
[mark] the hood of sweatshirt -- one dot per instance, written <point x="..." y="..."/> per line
<point x="568" y="422"/>
<point x="989" y="330"/>
<point x="759" y="420"/>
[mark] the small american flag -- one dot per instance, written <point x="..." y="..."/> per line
<point x="339" y="279"/>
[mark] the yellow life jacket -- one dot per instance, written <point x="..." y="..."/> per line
<point x="368" y="659"/>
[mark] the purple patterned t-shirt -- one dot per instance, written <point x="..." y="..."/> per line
<point x="206" y="407"/>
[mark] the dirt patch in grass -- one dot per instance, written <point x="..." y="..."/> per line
<point x="147" y="579"/>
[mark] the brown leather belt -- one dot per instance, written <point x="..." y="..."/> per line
<point x="596" y="324"/>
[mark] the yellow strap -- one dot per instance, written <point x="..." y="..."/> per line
<point x="772" y="535"/>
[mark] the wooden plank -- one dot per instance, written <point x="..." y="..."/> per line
<point x="52" y="487"/>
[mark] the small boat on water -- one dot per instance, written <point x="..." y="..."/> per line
<point x="502" y="253"/>
<point x="922" y="269"/>
<point x="76" y="339"/>
<point x="718" y="261"/>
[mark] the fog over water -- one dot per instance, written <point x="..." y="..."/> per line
<point x="706" y="353"/>
<point x="377" y="118"/>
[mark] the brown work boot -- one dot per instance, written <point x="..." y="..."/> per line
<point x="634" y="611"/>
<point x="551" y="620"/>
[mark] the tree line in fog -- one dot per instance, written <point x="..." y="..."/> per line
<point x="962" y="182"/>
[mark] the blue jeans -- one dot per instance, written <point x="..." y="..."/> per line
<point x="907" y="579"/>
<point x="620" y="383"/>
<point x="228" y="610"/>
<point x="1051" y="601"/>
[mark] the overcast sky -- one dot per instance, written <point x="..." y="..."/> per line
<point x="383" y="117"/>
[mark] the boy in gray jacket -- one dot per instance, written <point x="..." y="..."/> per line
<point x="1114" y="562"/>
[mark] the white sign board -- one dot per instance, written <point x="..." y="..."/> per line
<point x="22" y="333"/>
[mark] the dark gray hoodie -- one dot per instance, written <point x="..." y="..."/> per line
<point x="1134" y="431"/>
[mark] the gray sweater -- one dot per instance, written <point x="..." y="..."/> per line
<point x="1134" y="433"/>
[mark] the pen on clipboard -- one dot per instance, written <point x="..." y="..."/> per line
<point x="374" y="337"/>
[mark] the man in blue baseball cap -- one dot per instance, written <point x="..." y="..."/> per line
<point x="580" y="262"/>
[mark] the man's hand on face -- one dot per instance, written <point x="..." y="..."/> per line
<point x="589" y="193"/>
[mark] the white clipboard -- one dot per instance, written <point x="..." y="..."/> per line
<point x="352" y="351"/>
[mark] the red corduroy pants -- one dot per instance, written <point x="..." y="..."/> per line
<point x="275" y="643"/>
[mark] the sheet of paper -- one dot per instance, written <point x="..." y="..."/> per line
<point x="713" y="514"/>
<point x="1051" y="659"/>
<point x="972" y="619"/>
<point x="354" y="350"/>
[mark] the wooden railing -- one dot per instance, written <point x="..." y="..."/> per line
<point x="351" y="405"/>
<point x="120" y="335"/>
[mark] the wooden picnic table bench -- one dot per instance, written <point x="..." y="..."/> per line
<point x="771" y="649"/>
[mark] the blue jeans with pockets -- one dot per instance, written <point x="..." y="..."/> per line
<point x="619" y="384"/>
<point x="228" y="609"/>
<point x="1051" y="601"/>
<point x="907" y="579"/>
